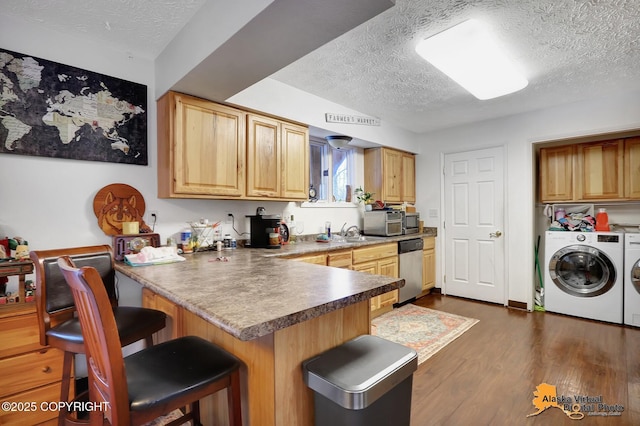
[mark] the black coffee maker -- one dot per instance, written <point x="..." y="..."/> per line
<point x="265" y="230"/>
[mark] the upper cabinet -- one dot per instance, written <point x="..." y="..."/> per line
<point x="390" y="175"/>
<point x="597" y="171"/>
<point x="208" y="150"/>
<point x="295" y="161"/>
<point x="263" y="157"/>
<point x="201" y="148"/>
<point x="556" y="174"/>
<point x="632" y="168"/>
<point x="600" y="170"/>
<point x="277" y="159"/>
<point x="408" y="178"/>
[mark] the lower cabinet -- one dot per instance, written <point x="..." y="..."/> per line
<point x="340" y="259"/>
<point x="30" y="374"/>
<point x="380" y="259"/>
<point x="174" y="327"/>
<point x="428" y="264"/>
<point x="316" y="258"/>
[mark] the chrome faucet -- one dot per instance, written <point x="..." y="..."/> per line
<point x="356" y="232"/>
<point x="342" y="229"/>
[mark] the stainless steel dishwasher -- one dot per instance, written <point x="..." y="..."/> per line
<point x="410" y="259"/>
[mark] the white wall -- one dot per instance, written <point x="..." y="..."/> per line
<point x="49" y="201"/>
<point x="294" y="104"/>
<point x="518" y="134"/>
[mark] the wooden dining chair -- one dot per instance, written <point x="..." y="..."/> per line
<point x="55" y="308"/>
<point x="155" y="381"/>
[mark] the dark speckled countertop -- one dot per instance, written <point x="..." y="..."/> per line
<point x="255" y="293"/>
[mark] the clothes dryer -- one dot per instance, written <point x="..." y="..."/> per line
<point x="584" y="274"/>
<point x="632" y="279"/>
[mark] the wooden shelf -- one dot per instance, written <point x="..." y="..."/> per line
<point x="19" y="268"/>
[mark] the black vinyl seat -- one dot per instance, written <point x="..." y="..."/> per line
<point x="154" y="381"/>
<point x="58" y="325"/>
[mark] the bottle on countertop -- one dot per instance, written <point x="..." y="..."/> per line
<point x="602" y="221"/>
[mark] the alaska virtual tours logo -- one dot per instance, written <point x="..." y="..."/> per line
<point x="575" y="407"/>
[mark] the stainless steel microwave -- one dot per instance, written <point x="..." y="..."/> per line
<point x="410" y="223"/>
<point x="385" y="223"/>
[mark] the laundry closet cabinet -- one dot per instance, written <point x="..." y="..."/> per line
<point x="607" y="170"/>
<point x="556" y="173"/>
<point x="600" y="172"/>
<point x="632" y="168"/>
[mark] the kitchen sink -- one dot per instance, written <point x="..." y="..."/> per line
<point x="356" y="239"/>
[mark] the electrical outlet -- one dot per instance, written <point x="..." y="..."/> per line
<point x="228" y="218"/>
<point x="152" y="217"/>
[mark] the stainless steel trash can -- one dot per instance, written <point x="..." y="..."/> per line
<point x="365" y="381"/>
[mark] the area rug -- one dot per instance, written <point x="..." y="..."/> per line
<point x="422" y="329"/>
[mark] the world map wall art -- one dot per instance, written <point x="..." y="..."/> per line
<point x="54" y="110"/>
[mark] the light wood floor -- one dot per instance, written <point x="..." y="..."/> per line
<point x="488" y="375"/>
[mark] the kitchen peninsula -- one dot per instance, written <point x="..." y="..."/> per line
<point x="272" y="313"/>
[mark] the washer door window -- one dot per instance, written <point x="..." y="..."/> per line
<point x="582" y="271"/>
<point x="635" y="275"/>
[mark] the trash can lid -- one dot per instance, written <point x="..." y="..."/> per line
<point x="358" y="372"/>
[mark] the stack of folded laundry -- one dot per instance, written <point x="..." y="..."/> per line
<point x="574" y="222"/>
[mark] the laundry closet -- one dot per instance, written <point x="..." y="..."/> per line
<point x="588" y="201"/>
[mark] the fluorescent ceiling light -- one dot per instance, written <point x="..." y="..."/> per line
<point x="468" y="54"/>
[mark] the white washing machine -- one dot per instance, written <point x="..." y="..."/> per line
<point x="632" y="279"/>
<point x="584" y="274"/>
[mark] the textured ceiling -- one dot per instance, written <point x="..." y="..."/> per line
<point x="141" y="27"/>
<point x="569" y="50"/>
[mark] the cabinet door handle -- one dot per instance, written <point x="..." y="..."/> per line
<point x="46" y="369"/>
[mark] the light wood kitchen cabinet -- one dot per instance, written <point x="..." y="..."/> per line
<point x="632" y="168"/>
<point x="316" y="258"/>
<point x="428" y="264"/>
<point x="340" y="259"/>
<point x="600" y="174"/>
<point x="174" y="325"/>
<point x="556" y="174"/>
<point x="295" y="161"/>
<point x="408" y="178"/>
<point x="201" y="148"/>
<point x="381" y="259"/>
<point x="390" y="175"/>
<point x="277" y="159"/>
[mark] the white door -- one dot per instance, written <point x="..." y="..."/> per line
<point x="474" y="216"/>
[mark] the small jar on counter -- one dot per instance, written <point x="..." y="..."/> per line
<point x="227" y="241"/>
<point x="234" y="244"/>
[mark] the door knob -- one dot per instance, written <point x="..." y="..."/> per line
<point x="496" y="234"/>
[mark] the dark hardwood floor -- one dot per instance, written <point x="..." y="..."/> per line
<point x="488" y="375"/>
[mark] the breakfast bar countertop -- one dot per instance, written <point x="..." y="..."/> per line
<point x="252" y="293"/>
